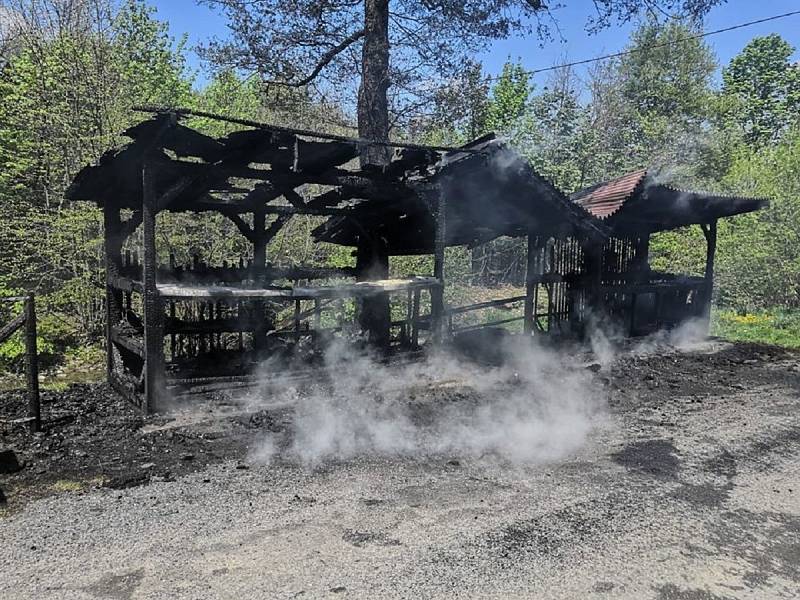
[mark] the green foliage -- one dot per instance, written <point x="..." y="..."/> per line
<point x="229" y="94"/>
<point x="461" y="109"/>
<point x="650" y="106"/>
<point x="560" y="136"/>
<point x="759" y="254"/>
<point x="679" y="251"/>
<point x="762" y="89"/>
<point x="65" y="95"/>
<point x="668" y="74"/>
<point x="152" y="68"/>
<point x="509" y="101"/>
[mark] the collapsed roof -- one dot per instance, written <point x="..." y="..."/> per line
<point x="639" y="203"/>
<point x="489" y="189"/>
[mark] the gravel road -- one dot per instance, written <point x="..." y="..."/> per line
<point x="690" y="489"/>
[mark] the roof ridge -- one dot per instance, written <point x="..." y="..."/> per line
<point x="675" y="188"/>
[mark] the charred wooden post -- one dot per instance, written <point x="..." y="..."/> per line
<point x="297" y="320"/>
<point x="32" y="364"/>
<point x="152" y="302"/>
<point x="530" y="282"/>
<point x="172" y="338"/>
<point x="259" y="264"/>
<point x="415" y="320"/>
<point x="593" y="260"/>
<point x="374" y="316"/>
<point x="710" y="233"/>
<point x="26" y="319"/>
<point x="437" y="293"/>
<point x="114" y="296"/>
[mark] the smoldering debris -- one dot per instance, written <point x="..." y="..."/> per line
<point x="608" y="343"/>
<point x="537" y="406"/>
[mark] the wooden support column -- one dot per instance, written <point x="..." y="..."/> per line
<point x="593" y="258"/>
<point x="415" y="320"/>
<point x="530" y="285"/>
<point x="297" y="321"/>
<point x="439" y="244"/>
<point x="153" y="305"/>
<point x="374" y="317"/>
<point x="259" y="265"/>
<point x="710" y="233"/>
<point x="113" y="260"/>
<point x="173" y="340"/>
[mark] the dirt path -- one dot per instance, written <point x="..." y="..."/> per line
<point x="691" y="489"/>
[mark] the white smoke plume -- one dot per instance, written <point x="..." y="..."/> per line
<point x="537" y="407"/>
<point x="609" y="342"/>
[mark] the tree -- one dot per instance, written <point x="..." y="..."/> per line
<point x="651" y="106"/>
<point x="510" y="100"/>
<point x="66" y="89"/>
<point x="762" y="88"/>
<point x="759" y="253"/>
<point x="561" y="144"/>
<point x="460" y="109"/>
<point x="327" y="43"/>
<point x="152" y="66"/>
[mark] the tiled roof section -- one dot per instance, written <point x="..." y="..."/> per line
<point x="604" y="199"/>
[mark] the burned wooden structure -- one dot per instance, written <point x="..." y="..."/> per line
<point x="194" y="324"/>
<point x="636" y="298"/>
<point x="178" y="325"/>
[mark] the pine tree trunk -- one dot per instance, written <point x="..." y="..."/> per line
<point x="373" y="124"/>
<point x="373" y="104"/>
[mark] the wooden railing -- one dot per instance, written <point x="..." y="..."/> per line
<point x="27" y="320"/>
<point x="460" y="310"/>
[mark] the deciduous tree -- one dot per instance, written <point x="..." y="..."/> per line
<point x="763" y="89"/>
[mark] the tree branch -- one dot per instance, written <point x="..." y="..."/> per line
<point x="325" y="60"/>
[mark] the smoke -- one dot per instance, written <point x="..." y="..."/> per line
<point x="690" y="335"/>
<point x="608" y="342"/>
<point x="535" y="407"/>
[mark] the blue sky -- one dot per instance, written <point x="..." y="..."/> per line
<point x="201" y="23"/>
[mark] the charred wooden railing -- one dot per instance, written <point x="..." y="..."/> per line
<point x="572" y="286"/>
<point x="503" y="303"/>
<point x="27" y="320"/>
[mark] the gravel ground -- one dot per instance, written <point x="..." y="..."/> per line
<point x="690" y="489"/>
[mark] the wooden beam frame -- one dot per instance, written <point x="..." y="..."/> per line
<point x="154" y="379"/>
<point x="530" y="281"/>
<point x="113" y="239"/>
<point x="439" y="204"/>
<point x="710" y="233"/>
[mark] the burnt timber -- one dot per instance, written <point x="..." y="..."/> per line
<point x="170" y="324"/>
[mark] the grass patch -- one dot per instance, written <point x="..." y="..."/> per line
<point x="79" y="365"/>
<point x="778" y="327"/>
<point x="71" y="485"/>
<point x="67" y="485"/>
